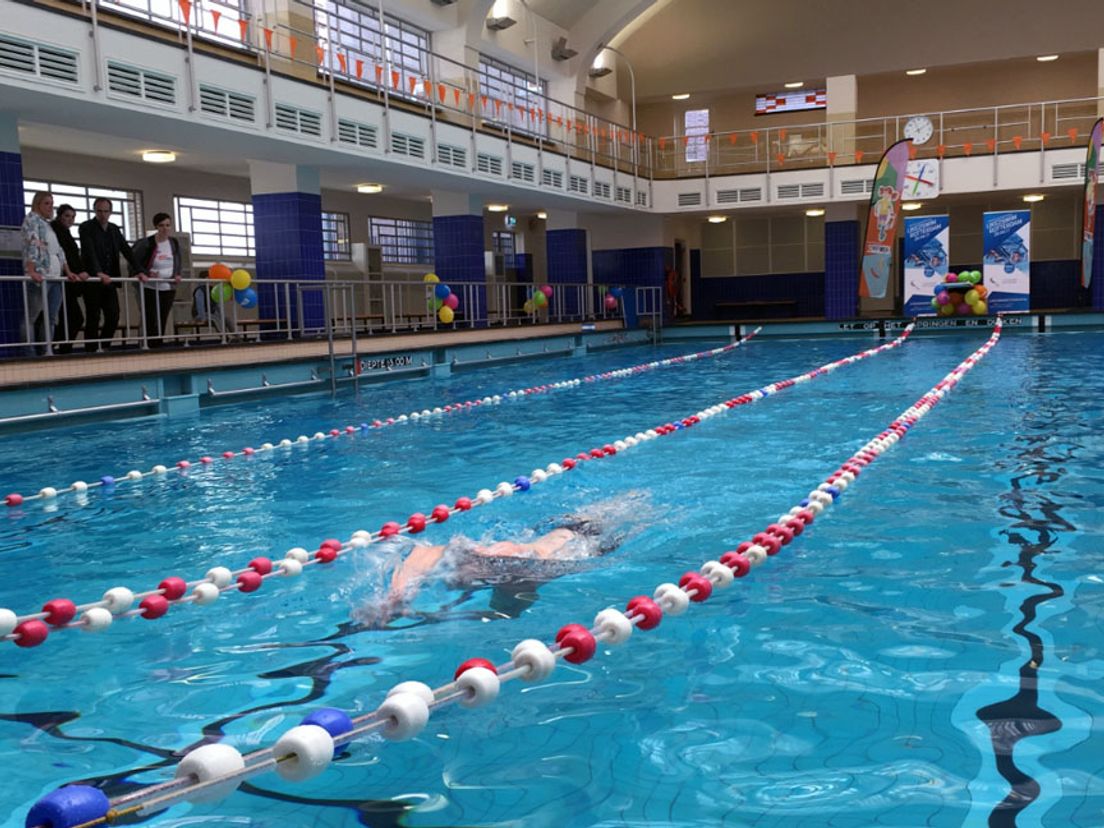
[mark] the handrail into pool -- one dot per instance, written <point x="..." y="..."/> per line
<point x="80" y="487"/>
<point x="54" y="412"/>
<point x="32" y="629"/>
<point x="213" y="771"/>
<point x="265" y="385"/>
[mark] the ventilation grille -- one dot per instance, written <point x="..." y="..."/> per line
<point x="450" y="156"/>
<point x="552" y="178"/>
<point x="298" y="120"/>
<point x="578" y="184"/>
<point x="361" y="135"/>
<point x="624" y="195"/>
<point x="232" y="105"/>
<point x="520" y="171"/>
<point x="641" y="198"/>
<point x="602" y="190"/>
<point x="1074" y="170"/>
<point x="408" y="145"/>
<point x="131" y="82"/>
<point x="488" y="164"/>
<point x="727" y="196"/>
<point x="688" y="199"/>
<point x="814" y="190"/>
<point x="856" y="186"/>
<point x="787" y="191"/>
<point x="26" y="58"/>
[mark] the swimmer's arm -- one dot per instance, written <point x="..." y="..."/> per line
<point x="417" y="565"/>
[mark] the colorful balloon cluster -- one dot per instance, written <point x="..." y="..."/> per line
<point x="962" y="294"/>
<point x="538" y="298"/>
<point x="443" y="300"/>
<point x="232" y="284"/>
<point x="612" y="295"/>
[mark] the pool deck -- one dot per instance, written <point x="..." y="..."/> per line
<point x="124" y="363"/>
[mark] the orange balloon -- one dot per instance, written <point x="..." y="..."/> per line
<point x="219" y="271"/>
<point x="982" y="291"/>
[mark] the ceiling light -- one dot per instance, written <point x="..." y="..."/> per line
<point x="794" y="84"/>
<point x="681" y="96"/>
<point x="1031" y="198"/>
<point x="158" y="156"/>
<point x="915" y="71"/>
<point x="911" y="205"/>
<point x="718" y="219"/>
<point x="1046" y="58"/>
<point x="498" y="208"/>
<point x="814" y="212"/>
<point x="500" y="23"/>
<point x="543" y="216"/>
<point x="369" y="188"/>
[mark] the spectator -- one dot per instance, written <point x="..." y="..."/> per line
<point x="101" y="245"/>
<point x="159" y="256"/>
<point x="72" y="320"/>
<point x="44" y="264"/>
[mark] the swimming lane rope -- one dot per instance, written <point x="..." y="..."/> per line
<point x="108" y="481"/>
<point x="213" y="771"/>
<point x="31" y="629"/>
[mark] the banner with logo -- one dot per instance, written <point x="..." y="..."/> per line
<point x="1088" y="223"/>
<point x="927" y="252"/>
<point x="1006" y="268"/>
<point x="881" y="222"/>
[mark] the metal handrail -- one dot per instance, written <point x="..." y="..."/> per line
<point x="55" y="413"/>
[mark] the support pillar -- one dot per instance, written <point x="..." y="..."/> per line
<point x="1096" y="287"/>
<point x="568" y="250"/>
<point x="842" y="254"/>
<point x="843" y="106"/>
<point x="458" y="250"/>
<point x="12" y="213"/>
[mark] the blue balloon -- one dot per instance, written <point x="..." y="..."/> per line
<point x="616" y="291"/>
<point x="442" y="291"/>
<point x="246" y="298"/>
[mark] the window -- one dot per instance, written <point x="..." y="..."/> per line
<point x="354" y="30"/>
<point x="203" y="17"/>
<point x="519" y="92"/>
<point x="761" y="245"/>
<point x="403" y="241"/>
<point x="696" y="127"/>
<point x="502" y="242"/>
<point x="335" y="237"/>
<point x="126" y="203"/>
<point x="217" y="228"/>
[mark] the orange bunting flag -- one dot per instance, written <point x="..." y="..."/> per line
<point x="782" y="135"/>
<point x="427" y="88"/>
<point x="509" y="105"/>
<point x="859" y="156"/>
<point x="685" y="140"/>
<point x="559" y="120"/>
<point x="293" y="46"/>
<point x="540" y="114"/>
<point x="602" y="132"/>
<point x="941" y="150"/>
<point x="754" y="137"/>
<point x="708" y="137"/>
<point x="342" y="64"/>
<point x="243" y="28"/>
<point x="412" y="82"/>
<point x="268" y="39"/>
<point x="498" y="106"/>
<point x="379" y="74"/>
<point x="215" y="17"/>
<point x="186" y="10"/>
<point x="991" y="143"/>
<point x="471" y="101"/>
<point x="456" y="97"/>
<point x="442" y="90"/>
<point x="662" y="144"/>
<point x="532" y="113"/>
<point x="912" y="151"/>
<point x="483" y="98"/>
<point x="732" y="138"/>
<point x="1045" y="137"/>
<point x="320" y="53"/>
<point x="968" y="148"/>
<point x="586" y="128"/>
<point x="569" y="125"/>
<point x="359" y="68"/>
<point x="395" y="77"/>
<point x="780" y="158"/>
<point x="831" y="159"/>
<point x="1072" y="133"/>
<point x="1017" y="141"/>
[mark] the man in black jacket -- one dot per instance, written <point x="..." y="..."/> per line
<point x="101" y="245"/>
<point x="73" y="319"/>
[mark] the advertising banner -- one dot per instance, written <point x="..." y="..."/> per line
<point x="1088" y="223"/>
<point x="881" y="223"/>
<point x="927" y="252"/>
<point x="1007" y="263"/>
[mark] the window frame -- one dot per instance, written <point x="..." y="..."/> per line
<point x="203" y="251"/>
<point x="402" y="241"/>
<point x="510" y="84"/>
<point x="338" y="248"/>
<point x="130" y="222"/>
<point x="201" y="20"/>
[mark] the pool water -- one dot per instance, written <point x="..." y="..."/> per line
<point x="927" y="653"/>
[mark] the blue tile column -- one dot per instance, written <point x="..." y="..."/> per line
<point x="841" y="269"/>
<point x="458" y="257"/>
<point x="1096" y="287"/>
<point x="12" y="214"/>
<point x="567" y="262"/>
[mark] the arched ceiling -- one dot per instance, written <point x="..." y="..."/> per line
<point x="708" y="45"/>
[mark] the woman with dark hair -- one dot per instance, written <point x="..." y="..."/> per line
<point x="159" y="256"/>
<point x="72" y="320"/>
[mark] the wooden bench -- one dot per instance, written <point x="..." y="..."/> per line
<point x="772" y="308"/>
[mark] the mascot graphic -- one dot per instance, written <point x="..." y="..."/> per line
<point x="885" y="211"/>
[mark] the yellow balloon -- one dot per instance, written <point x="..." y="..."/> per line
<point x="431" y="278"/>
<point x="240" y="279"/>
<point x="445" y="314"/>
<point x="980" y="308"/>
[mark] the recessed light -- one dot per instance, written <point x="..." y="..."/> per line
<point x="158" y="156"/>
<point x="814" y="212"/>
<point x="498" y="208"/>
<point x="369" y="188"/>
<point x="915" y="71"/>
<point x="543" y="216"/>
<point x="718" y="219"/>
<point x="911" y="205"/>
<point x="1046" y="58"/>
<point x="794" y="84"/>
<point x="681" y="96"/>
<point x="1031" y="198"/>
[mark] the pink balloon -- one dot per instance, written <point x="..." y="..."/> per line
<point x="611" y="301"/>
<point x="952" y="277"/>
<point x="451" y="301"/>
<point x="963" y="309"/>
<point x="942" y="297"/>
<point x="546" y="290"/>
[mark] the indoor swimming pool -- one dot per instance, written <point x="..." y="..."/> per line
<point x="927" y="652"/>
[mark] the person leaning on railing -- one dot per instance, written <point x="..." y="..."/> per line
<point x="101" y="245"/>
<point x="159" y="256"/>
<point x="44" y="263"/>
<point x="72" y="322"/>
